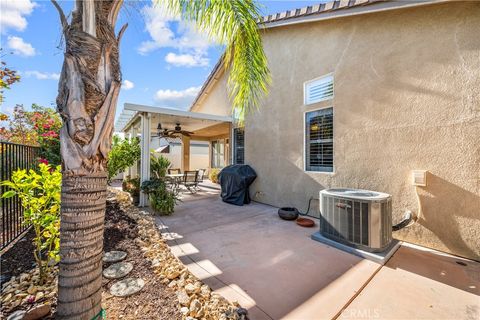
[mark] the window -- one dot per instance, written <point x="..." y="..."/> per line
<point x="319" y="140"/>
<point x="318" y="90"/>
<point x="239" y="146"/>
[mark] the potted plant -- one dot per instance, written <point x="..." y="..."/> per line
<point x="162" y="199"/>
<point x="132" y="186"/>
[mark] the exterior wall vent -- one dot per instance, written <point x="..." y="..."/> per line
<point x="358" y="218"/>
<point x="319" y="89"/>
<point x="419" y="178"/>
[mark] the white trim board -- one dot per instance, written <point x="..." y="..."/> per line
<point x="176" y="112"/>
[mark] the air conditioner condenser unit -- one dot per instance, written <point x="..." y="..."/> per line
<point x="358" y="221"/>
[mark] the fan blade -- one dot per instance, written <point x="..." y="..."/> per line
<point x="185" y="132"/>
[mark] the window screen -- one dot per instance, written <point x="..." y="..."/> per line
<point x="319" y="140"/>
<point x="239" y="145"/>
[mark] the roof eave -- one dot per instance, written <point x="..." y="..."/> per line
<point x="369" y="7"/>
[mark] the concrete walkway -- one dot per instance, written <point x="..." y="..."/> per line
<point x="274" y="269"/>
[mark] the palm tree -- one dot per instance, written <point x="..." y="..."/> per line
<point x="87" y="95"/>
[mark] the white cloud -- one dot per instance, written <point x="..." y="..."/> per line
<point x="157" y="24"/>
<point x="187" y="60"/>
<point x="181" y="99"/>
<point x="160" y="26"/>
<point x="13" y="14"/>
<point x="127" y="85"/>
<point x="20" y="47"/>
<point x="42" y="75"/>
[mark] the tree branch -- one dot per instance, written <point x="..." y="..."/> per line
<point x="63" y="19"/>
<point x="120" y="33"/>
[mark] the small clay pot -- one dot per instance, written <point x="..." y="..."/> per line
<point x="288" y="213"/>
<point x="305" y="222"/>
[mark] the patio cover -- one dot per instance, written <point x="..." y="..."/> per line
<point x="141" y="120"/>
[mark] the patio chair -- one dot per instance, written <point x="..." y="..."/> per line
<point x="190" y="180"/>
<point x="201" y="174"/>
<point x="174" y="171"/>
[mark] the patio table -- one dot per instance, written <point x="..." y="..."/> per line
<point x="176" y="177"/>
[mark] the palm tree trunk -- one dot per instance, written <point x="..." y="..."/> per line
<point x="81" y="246"/>
<point x="87" y="97"/>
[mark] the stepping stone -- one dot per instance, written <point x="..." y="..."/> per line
<point x="114" y="256"/>
<point x="17" y="315"/>
<point x="127" y="287"/>
<point x="118" y="270"/>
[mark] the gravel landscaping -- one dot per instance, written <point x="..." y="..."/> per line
<point x="167" y="290"/>
<point x="155" y="300"/>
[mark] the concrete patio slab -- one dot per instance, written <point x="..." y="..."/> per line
<point x="418" y="283"/>
<point x="273" y="268"/>
<point x="268" y="265"/>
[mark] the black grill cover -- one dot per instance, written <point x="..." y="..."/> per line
<point x="235" y="180"/>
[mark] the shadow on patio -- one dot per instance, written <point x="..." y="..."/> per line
<point x="268" y="265"/>
<point x="275" y="270"/>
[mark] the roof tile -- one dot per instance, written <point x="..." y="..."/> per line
<point x="317" y="9"/>
<point x="329" y="5"/>
<point x="343" y="3"/>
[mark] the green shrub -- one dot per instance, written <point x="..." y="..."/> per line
<point x="161" y="198"/>
<point x="213" y="175"/>
<point x="39" y="193"/>
<point x="158" y="166"/>
<point x="124" y="154"/>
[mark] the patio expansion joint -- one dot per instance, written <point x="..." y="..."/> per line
<point x="347" y="304"/>
<point x="211" y="275"/>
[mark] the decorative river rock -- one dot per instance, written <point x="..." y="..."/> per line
<point x="127" y="287"/>
<point x="118" y="270"/>
<point x="114" y="256"/>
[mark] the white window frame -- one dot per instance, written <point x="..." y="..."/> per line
<point x="306" y="83"/>
<point x="305" y="141"/>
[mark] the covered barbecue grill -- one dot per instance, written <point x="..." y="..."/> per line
<point x="235" y="181"/>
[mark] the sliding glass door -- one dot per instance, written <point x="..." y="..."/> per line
<point x="218" y="153"/>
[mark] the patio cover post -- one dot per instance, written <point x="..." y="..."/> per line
<point x="145" y="125"/>
<point x="133" y="170"/>
<point x="185" y="153"/>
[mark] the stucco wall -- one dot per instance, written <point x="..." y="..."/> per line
<point x="407" y="96"/>
<point x="216" y="101"/>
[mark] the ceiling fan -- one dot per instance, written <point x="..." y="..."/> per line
<point x="172" y="133"/>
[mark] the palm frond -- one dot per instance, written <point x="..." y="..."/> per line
<point x="234" y="24"/>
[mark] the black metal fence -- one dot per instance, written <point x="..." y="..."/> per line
<point x="13" y="157"/>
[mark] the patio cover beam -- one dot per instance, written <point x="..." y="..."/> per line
<point x="175" y="112"/>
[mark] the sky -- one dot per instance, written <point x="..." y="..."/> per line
<point x="164" y="61"/>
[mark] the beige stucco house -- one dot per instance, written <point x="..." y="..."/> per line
<point x="394" y="87"/>
<point x="364" y="94"/>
